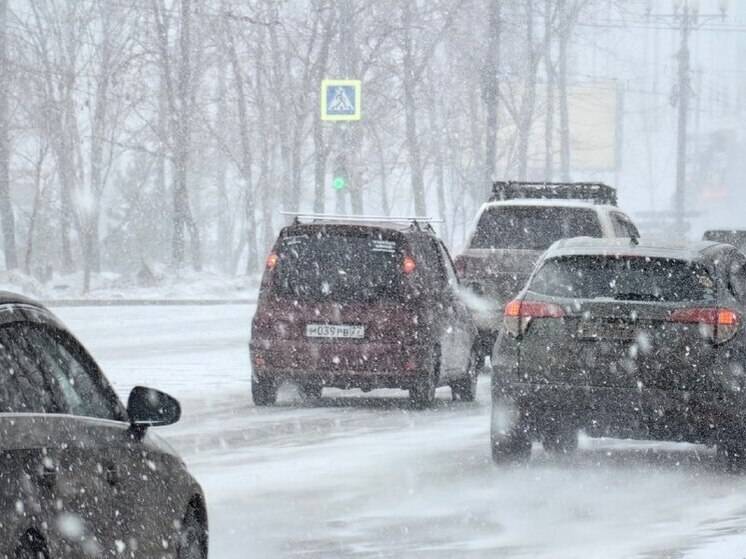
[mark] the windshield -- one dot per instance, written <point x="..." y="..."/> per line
<point x="533" y="228"/>
<point x="341" y="267"/>
<point x="624" y="278"/>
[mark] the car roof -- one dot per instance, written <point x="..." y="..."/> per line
<point x="10" y="298"/>
<point x="589" y="246"/>
<point x="388" y="226"/>
<point x="550" y="203"/>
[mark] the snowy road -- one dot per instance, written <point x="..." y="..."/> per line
<point x="365" y="476"/>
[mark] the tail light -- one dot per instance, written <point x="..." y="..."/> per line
<point x="460" y="264"/>
<point x="519" y="314"/>
<point x="719" y="325"/>
<point x="408" y="265"/>
<point x="272" y="260"/>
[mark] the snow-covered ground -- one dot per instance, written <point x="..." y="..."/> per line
<point x="366" y="476"/>
<point x="156" y="284"/>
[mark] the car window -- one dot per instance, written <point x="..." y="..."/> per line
<point x="429" y="263"/>
<point x="631" y="228"/>
<point x="448" y="264"/>
<point x="737" y="277"/>
<point x="339" y="265"/>
<point x="45" y="371"/>
<point x="533" y="227"/>
<point x="628" y="278"/>
<point x="623" y="227"/>
<point x="619" y="229"/>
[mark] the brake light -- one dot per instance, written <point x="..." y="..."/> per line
<point x="409" y="265"/>
<point x="272" y="260"/>
<point x="719" y="325"/>
<point x="519" y="314"/>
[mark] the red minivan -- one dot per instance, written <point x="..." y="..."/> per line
<point x="358" y="304"/>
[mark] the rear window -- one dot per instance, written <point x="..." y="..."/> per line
<point x="624" y="278"/>
<point x="533" y="228"/>
<point x="735" y="238"/>
<point x="337" y="266"/>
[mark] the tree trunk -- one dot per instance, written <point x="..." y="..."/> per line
<point x="549" y="122"/>
<point x="246" y="160"/>
<point x="267" y="142"/>
<point x="221" y="168"/>
<point x="6" y="206"/>
<point x="410" y="114"/>
<point x="490" y="94"/>
<point x="183" y="220"/>
<point x="528" y="99"/>
<point x="564" y="38"/>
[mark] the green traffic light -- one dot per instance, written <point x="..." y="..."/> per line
<point x="339" y="183"/>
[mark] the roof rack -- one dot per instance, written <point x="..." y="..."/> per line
<point x="404" y="220"/>
<point x="596" y="192"/>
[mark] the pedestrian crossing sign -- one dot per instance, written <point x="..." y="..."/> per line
<point x="340" y="100"/>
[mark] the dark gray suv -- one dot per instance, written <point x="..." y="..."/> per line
<point x="623" y="338"/>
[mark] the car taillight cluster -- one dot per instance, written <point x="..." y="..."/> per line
<point x="272" y="260"/>
<point x="720" y="325"/>
<point x="518" y="314"/>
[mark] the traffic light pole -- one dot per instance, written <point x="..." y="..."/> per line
<point x="683" y="120"/>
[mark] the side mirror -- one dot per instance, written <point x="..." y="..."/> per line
<point x="147" y="407"/>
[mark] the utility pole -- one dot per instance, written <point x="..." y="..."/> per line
<point x="683" y="117"/>
<point x="686" y="18"/>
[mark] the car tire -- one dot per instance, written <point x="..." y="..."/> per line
<point x="422" y="394"/>
<point x="560" y="441"/>
<point x="510" y="448"/>
<point x="510" y="442"/>
<point x="310" y="392"/>
<point x="192" y="538"/>
<point x="732" y="454"/>
<point x="264" y="391"/>
<point x="465" y="388"/>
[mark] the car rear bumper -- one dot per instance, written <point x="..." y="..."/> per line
<point x="694" y="416"/>
<point x="343" y="364"/>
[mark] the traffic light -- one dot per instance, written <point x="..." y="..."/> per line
<point x="339" y="182"/>
<point x="340" y="179"/>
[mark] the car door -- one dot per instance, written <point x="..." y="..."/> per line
<point x="436" y="303"/>
<point x="463" y="330"/>
<point x="62" y="427"/>
<point x="128" y="475"/>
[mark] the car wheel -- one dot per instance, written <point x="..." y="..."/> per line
<point x="509" y="439"/>
<point x="310" y="392"/>
<point x="31" y="546"/>
<point x="422" y="394"/>
<point x="263" y="391"/>
<point x="560" y="441"/>
<point x="192" y="539"/>
<point x="511" y="447"/>
<point x="465" y="388"/>
<point x="733" y="455"/>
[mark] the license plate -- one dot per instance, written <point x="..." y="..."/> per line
<point x="609" y="330"/>
<point x="335" y="331"/>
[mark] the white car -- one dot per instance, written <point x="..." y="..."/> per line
<point x="516" y="226"/>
